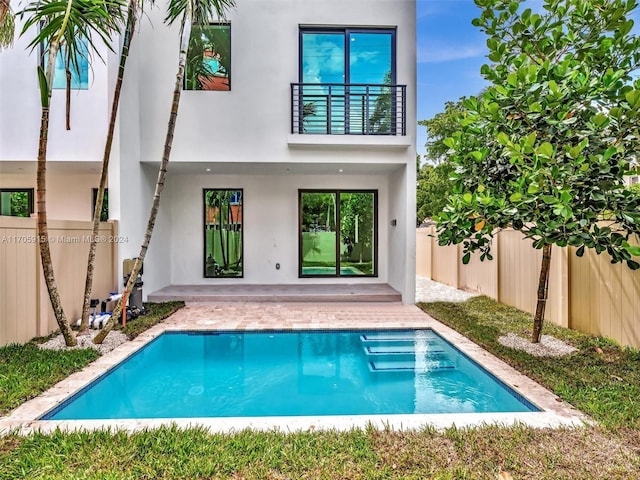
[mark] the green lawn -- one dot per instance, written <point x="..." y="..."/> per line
<point x="26" y="370"/>
<point x="602" y="379"/>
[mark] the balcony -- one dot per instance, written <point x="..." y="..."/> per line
<point x="348" y="109"/>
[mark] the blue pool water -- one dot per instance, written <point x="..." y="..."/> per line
<point x="246" y="374"/>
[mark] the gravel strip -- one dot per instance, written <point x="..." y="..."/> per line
<point x="430" y="291"/>
<point x="114" y="339"/>
<point x="548" y="347"/>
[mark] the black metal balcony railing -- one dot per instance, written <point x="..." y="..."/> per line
<point x="348" y="109"/>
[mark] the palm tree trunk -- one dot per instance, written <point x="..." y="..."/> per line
<point x="543" y="284"/>
<point x="67" y="72"/>
<point x="41" y="190"/>
<point x="126" y="44"/>
<point x="162" y="173"/>
<point x="223" y="204"/>
<point x="7" y="24"/>
<point x="4" y="9"/>
<point x="228" y="230"/>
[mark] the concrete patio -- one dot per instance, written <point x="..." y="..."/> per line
<point x="368" y="292"/>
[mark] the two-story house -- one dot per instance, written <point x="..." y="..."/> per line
<point x="293" y="160"/>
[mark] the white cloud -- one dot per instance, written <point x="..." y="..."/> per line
<point x="437" y="54"/>
<point x="323" y="59"/>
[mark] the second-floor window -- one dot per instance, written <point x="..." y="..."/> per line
<point x="356" y="56"/>
<point x="209" y="58"/>
<point x="78" y="66"/>
<point x="347" y="80"/>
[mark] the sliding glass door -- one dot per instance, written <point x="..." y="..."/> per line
<point x="338" y="233"/>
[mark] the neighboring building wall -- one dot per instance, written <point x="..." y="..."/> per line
<point x="69" y="195"/>
<point x="270" y="225"/>
<point x="585" y="293"/>
<point x="20" y="109"/>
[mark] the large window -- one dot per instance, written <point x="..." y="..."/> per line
<point x="16" y="202"/>
<point x="338" y="233"/>
<point x="209" y="58"/>
<point x="347" y="78"/>
<point x="223" y="233"/>
<point x="78" y="66"/>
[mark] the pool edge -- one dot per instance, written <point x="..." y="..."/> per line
<point x="555" y="412"/>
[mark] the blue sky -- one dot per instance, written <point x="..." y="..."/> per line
<point x="450" y="54"/>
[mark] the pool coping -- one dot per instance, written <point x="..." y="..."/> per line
<point x="554" y="412"/>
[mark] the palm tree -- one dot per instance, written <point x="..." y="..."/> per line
<point x="65" y="22"/>
<point x="135" y="8"/>
<point x="198" y="12"/>
<point x="7" y="24"/>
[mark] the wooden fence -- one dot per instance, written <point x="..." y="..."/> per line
<point x="586" y="293"/>
<point x="25" y="309"/>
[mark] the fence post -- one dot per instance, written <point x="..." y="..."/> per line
<point x="562" y="291"/>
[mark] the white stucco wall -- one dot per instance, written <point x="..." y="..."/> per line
<point x="402" y="259"/>
<point x="270" y="222"/>
<point x="252" y="121"/>
<point x="20" y="109"/>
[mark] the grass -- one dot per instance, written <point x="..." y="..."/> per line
<point x="602" y="384"/>
<point x="602" y="379"/>
<point x="26" y="370"/>
<point x="169" y="453"/>
<point x="156" y="313"/>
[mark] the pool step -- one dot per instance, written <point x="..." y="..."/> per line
<point x="408" y="366"/>
<point x="400" y="335"/>
<point x="401" y="350"/>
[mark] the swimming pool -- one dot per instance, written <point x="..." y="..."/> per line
<point x="295" y="373"/>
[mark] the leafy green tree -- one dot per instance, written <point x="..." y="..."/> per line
<point x="544" y="149"/>
<point x="356" y="215"/>
<point x="433" y="187"/>
<point x="20" y="204"/>
<point x="433" y="183"/>
<point x="439" y="128"/>
<point x="380" y="119"/>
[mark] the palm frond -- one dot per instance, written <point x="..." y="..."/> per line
<point x="93" y="20"/>
<point x="7" y="27"/>
<point x="204" y="11"/>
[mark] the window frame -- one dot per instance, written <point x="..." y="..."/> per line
<point x="184" y="80"/>
<point x="30" y="198"/>
<point x="346" y="31"/>
<point x="337" y="192"/>
<point x="204" y="231"/>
